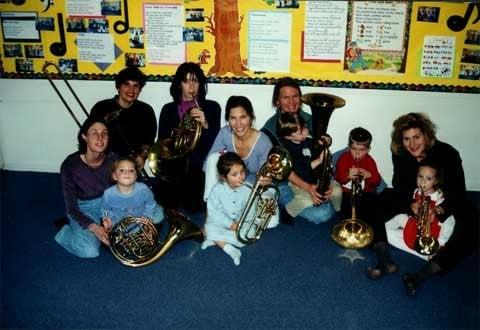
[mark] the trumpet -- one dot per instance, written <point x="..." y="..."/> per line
<point x="353" y="233"/>
<point x="262" y="204"/>
<point x="425" y="243"/>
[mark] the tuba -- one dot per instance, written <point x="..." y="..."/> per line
<point x="167" y="157"/>
<point x="135" y="241"/>
<point x="261" y="204"/>
<point x="353" y="233"/>
<point x="322" y="106"/>
<point x="425" y="244"/>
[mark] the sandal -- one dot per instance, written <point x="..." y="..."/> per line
<point x="374" y="273"/>
<point x="409" y="284"/>
<point x="390" y="267"/>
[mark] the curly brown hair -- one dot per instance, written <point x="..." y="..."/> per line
<point x="408" y="121"/>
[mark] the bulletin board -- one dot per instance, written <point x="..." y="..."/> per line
<point x="403" y="45"/>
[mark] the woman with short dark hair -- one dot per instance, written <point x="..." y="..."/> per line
<point x="85" y="175"/>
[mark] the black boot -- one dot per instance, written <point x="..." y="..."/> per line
<point x="385" y="264"/>
<point x="412" y="281"/>
<point x="285" y="218"/>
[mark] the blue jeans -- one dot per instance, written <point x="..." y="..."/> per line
<point x="286" y="193"/>
<point x="77" y="240"/>
<point x="319" y="214"/>
<point x="316" y="214"/>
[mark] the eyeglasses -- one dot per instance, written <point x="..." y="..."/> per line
<point x="97" y="135"/>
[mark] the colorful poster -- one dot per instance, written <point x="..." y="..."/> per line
<point x="377" y="36"/>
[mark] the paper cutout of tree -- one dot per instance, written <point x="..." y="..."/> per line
<point x="225" y="24"/>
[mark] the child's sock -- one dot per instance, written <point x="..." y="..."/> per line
<point x="206" y="243"/>
<point x="233" y="252"/>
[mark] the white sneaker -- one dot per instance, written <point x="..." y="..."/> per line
<point x="206" y="243"/>
<point x="273" y="221"/>
<point x="233" y="252"/>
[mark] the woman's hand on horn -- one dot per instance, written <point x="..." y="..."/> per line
<point x="265" y="180"/>
<point x="99" y="232"/>
<point x="199" y="116"/>
<point x="316" y="197"/>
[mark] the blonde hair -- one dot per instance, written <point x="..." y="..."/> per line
<point x="123" y="159"/>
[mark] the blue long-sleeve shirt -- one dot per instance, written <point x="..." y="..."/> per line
<point x="138" y="203"/>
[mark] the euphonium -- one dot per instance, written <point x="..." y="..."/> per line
<point x="262" y="203"/>
<point x="353" y="233"/>
<point x="425" y="244"/>
<point x="167" y="157"/>
<point x="135" y="241"/>
<point x="322" y="106"/>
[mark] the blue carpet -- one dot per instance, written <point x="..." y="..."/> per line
<point x="293" y="278"/>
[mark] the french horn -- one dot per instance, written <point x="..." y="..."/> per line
<point x="167" y="158"/>
<point x="262" y="203"/>
<point x="135" y="241"/>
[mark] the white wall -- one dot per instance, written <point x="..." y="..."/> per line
<point x="36" y="131"/>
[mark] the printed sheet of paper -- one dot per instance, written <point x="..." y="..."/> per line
<point x="164" y="34"/>
<point x="379" y="25"/>
<point x="325" y="30"/>
<point x="269" y="41"/>
<point x="84" y="8"/>
<point x="95" y="47"/>
<point x="438" y="56"/>
<point x="20" y="27"/>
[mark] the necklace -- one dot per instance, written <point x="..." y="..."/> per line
<point x="97" y="163"/>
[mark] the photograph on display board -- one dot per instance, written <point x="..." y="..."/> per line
<point x="136" y="38"/>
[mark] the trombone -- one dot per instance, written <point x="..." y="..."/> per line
<point x="59" y="72"/>
<point x="143" y="174"/>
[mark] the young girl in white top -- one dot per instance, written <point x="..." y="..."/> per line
<point x="225" y="204"/>
<point x="402" y="229"/>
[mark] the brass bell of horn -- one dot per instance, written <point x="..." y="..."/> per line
<point x="353" y="233"/>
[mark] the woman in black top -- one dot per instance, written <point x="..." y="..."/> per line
<point x="132" y="123"/>
<point x="188" y="90"/>
<point x="413" y="140"/>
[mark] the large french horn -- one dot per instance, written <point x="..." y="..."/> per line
<point x="263" y="200"/>
<point x="135" y="241"/>
<point x="425" y="243"/>
<point x="322" y="106"/>
<point x="167" y="157"/>
<point x="353" y="233"/>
